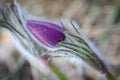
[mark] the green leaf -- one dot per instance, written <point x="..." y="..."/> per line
<point x="59" y="74"/>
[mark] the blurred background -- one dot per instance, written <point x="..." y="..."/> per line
<point x="99" y="20"/>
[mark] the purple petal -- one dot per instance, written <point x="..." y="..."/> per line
<point x="47" y="33"/>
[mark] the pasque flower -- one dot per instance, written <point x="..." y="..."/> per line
<point x="49" y="34"/>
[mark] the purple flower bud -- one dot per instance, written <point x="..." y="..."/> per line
<point x="46" y="33"/>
